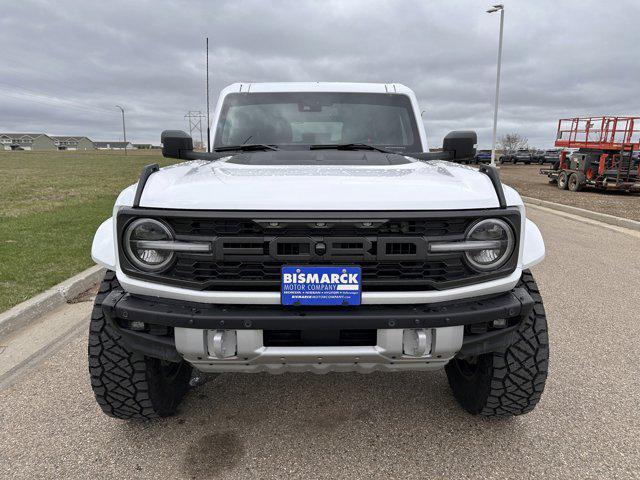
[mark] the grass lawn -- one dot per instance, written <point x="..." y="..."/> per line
<point x="50" y="206"/>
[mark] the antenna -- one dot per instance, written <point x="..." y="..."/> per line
<point x="208" y="121"/>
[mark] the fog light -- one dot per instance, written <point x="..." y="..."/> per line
<point x="500" y="323"/>
<point x="416" y="342"/>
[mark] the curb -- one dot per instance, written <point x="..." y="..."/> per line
<point x="581" y="212"/>
<point x="32" y="309"/>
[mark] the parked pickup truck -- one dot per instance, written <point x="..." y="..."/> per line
<point x="319" y="235"/>
<point x="483" y="156"/>
<point x="523" y="155"/>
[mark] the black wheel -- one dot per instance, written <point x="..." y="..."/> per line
<point x="563" y="180"/>
<point x="575" y="182"/>
<point x="510" y="382"/>
<point x="126" y="384"/>
<point x="514" y="160"/>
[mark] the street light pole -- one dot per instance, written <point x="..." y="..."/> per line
<point x="497" y="8"/>
<point x="124" y="130"/>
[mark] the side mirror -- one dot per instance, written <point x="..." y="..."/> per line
<point x="460" y="144"/>
<point x="176" y="144"/>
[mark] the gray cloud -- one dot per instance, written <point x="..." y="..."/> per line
<point x="67" y="62"/>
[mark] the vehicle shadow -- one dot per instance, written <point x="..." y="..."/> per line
<point x="301" y="417"/>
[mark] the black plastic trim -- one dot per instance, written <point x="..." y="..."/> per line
<point x="492" y="341"/>
<point x="118" y="304"/>
<point x="147" y="171"/>
<point x="147" y="344"/>
<point x="494" y="176"/>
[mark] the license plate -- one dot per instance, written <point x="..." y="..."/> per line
<point x="306" y="285"/>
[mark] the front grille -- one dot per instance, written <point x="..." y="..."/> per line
<point x="219" y="227"/>
<point x="266" y="275"/>
<point x="249" y="249"/>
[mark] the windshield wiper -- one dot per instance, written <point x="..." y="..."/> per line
<point x="246" y="148"/>
<point x="348" y="146"/>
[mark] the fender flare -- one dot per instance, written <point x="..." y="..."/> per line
<point x="103" y="249"/>
<point x="533" y="251"/>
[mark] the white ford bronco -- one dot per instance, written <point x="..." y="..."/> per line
<point x="319" y="235"/>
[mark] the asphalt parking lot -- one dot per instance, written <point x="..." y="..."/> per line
<point x="368" y="426"/>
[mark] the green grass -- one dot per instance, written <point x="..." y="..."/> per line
<point x="50" y="206"/>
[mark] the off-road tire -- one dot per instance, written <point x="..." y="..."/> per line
<point x="563" y="180"/>
<point x="511" y="382"/>
<point x="576" y="182"/>
<point x="126" y="384"/>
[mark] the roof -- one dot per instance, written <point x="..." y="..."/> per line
<point x="18" y="135"/>
<point x="67" y="138"/>
<point x="318" y="87"/>
<point x="111" y="144"/>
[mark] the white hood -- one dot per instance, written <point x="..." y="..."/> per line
<point x="221" y="185"/>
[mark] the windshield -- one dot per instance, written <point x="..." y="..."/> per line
<point x="304" y="119"/>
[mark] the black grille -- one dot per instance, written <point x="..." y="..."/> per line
<point x="266" y="275"/>
<point x="217" y="227"/>
<point x="248" y="253"/>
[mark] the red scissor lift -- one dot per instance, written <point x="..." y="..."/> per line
<point x="606" y="155"/>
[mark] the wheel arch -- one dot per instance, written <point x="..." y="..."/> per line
<point x="103" y="249"/>
<point x="533" y="251"/>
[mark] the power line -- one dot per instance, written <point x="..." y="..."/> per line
<point x="36" y="96"/>
<point x="50" y="103"/>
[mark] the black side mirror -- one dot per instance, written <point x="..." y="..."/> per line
<point x="176" y="144"/>
<point x="460" y="144"/>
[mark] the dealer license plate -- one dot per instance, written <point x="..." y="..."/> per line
<point x="305" y="285"/>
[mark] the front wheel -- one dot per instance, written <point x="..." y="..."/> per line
<point x="511" y="382"/>
<point x="126" y="384"/>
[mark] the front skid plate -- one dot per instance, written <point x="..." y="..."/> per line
<point x="252" y="356"/>
<point x="321" y="368"/>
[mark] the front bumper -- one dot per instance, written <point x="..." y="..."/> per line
<point x="221" y="338"/>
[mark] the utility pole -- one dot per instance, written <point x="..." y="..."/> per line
<point x="208" y="121"/>
<point x="195" y="123"/>
<point x="124" y="130"/>
<point x="497" y="8"/>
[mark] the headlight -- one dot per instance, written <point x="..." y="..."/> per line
<point x="146" y="231"/>
<point x="489" y="243"/>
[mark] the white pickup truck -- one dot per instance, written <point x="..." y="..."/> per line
<point x="318" y="235"/>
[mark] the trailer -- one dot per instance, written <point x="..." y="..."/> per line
<point x="605" y="155"/>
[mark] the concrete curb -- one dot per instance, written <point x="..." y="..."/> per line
<point x="32" y="309"/>
<point x="581" y="212"/>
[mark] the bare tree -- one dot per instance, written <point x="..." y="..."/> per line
<point x="512" y="142"/>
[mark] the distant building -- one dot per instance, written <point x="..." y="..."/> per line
<point x="143" y="146"/>
<point x="73" y="143"/>
<point x="114" y="145"/>
<point x="27" y="141"/>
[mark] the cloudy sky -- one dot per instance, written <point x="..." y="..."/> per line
<point x="65" y="63"/>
